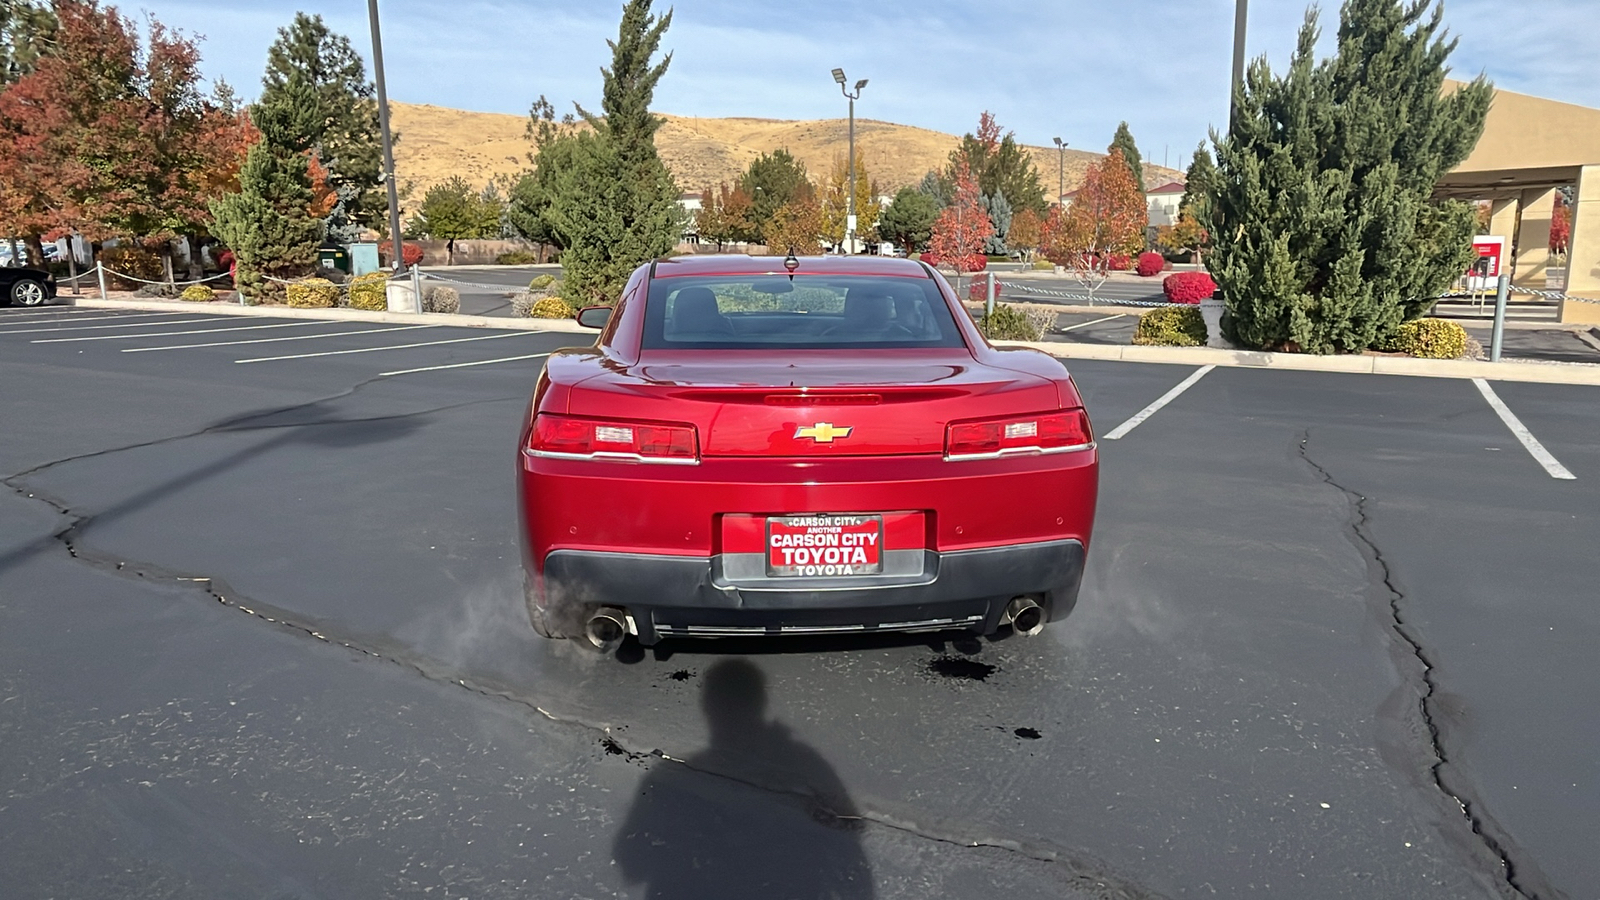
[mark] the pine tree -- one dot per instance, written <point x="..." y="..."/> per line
<point x="1000" y="165"/>
<point x="1326" y="237"/>
<point x="1198" y="182"/>
<point x="1123" y="140"/>
<point x="773" y="181"/>
<point x="999" y="211"/>
<point x="268" y="224"/>
<point x="908" y="221"/>
<point x="343" y="110"/>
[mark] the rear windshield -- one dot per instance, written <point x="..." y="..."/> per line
<point x="749" y="312"/>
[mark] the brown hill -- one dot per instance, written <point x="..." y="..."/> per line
<point x="437" y="143"/>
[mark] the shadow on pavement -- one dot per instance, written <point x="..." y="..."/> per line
<point x="756" y="814"/>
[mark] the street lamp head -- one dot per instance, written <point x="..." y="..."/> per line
<point x="861" y="84"/>
<point x="838" y="75"/>
<point x="1059" y="142"/>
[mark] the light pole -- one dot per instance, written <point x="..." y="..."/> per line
<point x="395" y="244"/>
<point x="850" y="174"/>
<point x="1061" y="168"/>
<point x="1239" y="14"/>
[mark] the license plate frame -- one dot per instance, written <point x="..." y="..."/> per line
<point x="854" y="539"/>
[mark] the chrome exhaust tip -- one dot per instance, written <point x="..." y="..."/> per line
<point x="606" y="628"/>
<point x="1025" y="616"/>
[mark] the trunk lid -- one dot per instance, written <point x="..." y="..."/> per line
<point x="746" y="403"/>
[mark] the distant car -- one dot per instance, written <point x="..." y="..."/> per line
<point x="25" y="286"/>
<point x="821" y="445"/>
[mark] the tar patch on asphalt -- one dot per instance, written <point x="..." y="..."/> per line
<point x="613" y="748"/>
<point x="960" y="669"/>
<point x="1027" y="734"/>
<point x="681" y="675"/>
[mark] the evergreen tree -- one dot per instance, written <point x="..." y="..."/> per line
<point x="999" y="211"/>
<point x="936" y="186"/>
<point x="617" y="206"/>
<point x="908" y="221"/>
<point x="1198" y="182"/>
<point x="1000" y="165"/>
<point x="268" y="224"/>
<point x="528" y="211"/>
<point x="342" y="108"/>
<point x="773" y="181"/>
<point x="1123" y="140"/>
<point x="1326" y="236"/>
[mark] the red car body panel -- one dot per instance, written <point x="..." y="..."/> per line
<point x="699" y="525"/>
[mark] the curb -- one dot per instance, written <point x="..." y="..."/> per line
<point x="1506" y="370"/>
<point x="341" y="315"/>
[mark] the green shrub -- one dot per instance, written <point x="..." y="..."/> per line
<point x="439" y="298"/>
<point x="1430" y="339"/>
<point x="313" y="293"/>
<point x="1043" y="265"/>
<point x="370" y="291"/>
<point x="541" y="282"/>
<point x="198" y="293"/>
<point x="517" y="258"/>
<point x="1171" y="326"/>
<point x="1011" y="323"/>
<point x="160" y="289"/>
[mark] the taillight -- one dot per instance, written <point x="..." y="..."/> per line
<point x="1054" y="432"/>
<point x="570" y="437"/>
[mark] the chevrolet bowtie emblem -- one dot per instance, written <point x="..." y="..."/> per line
<point x="823" y="432"/>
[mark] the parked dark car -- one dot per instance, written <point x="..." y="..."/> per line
<point x="23" y="286"/>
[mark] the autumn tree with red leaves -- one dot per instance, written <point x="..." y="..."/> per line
<point x="1560" y="227"/>
<point x="109" y="136"/>
<point x="1107" y="216"/>
<point x="962" y="228"/>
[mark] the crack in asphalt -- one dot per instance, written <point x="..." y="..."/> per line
<point x="1082" y="871"/>
<point x="1358" y="528"/>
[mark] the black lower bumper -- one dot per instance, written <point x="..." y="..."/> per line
<point x="698" y="597"/>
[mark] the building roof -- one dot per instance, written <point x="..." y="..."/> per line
<point x="1171" y="187"/>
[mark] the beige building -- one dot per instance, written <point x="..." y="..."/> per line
<point x="1530" y="147"/>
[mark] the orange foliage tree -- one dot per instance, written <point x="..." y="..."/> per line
<point x="962" y="228"/>
<point x="1107" y="216"/>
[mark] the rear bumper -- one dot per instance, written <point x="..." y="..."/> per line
<point x="692" y="596"/>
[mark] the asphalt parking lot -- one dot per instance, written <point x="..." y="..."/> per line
<point x="261" y="634"/>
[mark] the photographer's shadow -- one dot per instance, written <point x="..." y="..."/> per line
<point x="756" y="814"/>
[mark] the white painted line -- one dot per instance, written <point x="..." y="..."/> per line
<point x="1094" y="322"/>
<point x="142" y="335"/>
<point x="487" y="337"/>
<point x="481" y="362"/>
<point x="1521" y="433"/>
<point x="62" y="313"/>
<point x="163" y="322"/>
<point x="271" y="340"/>
<point x="1122" y="430"/>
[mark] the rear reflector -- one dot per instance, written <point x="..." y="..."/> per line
<point x="1055" y="432"/>
<point x="570" y="437"/>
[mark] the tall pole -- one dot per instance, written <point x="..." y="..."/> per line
<point x="850" y="185"/>
<point x="1061" y="169"/>
<point x="1240" y="12"/>
<point x="395" y="245"/>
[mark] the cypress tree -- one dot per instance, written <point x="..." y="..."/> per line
<point x="1326" y="237"/>
<point x="268" y="224"/>
<point x="1123" y="140"/>
<point x="617" y="205"/>
<point x="1197" y="182"/>
<point x="342" y="110"/>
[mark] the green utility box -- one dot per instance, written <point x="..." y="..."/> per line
<point x="363" y="258"/>
<point x="334" y="258"/>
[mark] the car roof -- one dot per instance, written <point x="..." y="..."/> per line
<point x="744" y="264"/>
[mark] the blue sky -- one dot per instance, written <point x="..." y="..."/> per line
<point x="1044" y="67"/>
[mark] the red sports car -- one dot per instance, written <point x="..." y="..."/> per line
<point x="758" y="446"/>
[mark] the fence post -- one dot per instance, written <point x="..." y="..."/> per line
<point x="416" y="286"/>
<point x="989" y="306"/>
<point x="1495" y="342"/>
<point x="101" y="271"/>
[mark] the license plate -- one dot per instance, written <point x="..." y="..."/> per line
<point x="824" y="546"/>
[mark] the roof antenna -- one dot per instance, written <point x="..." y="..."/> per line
<point x="791" y="263"/>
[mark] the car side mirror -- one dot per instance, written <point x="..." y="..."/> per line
<point x="594" y="316"/>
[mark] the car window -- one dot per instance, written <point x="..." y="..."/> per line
<point x="807" y="312"/>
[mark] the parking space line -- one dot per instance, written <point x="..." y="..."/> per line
<point x="1520" y="432"/>
<point x="486" y="337"/>
<point x="1122" y="430"/>
<point x="143" y="335"/>
<point x="270" y="340"/>
<point x="1094" y="322"/>
<point x="72" y="313"/>
<point x="481" y="362"/>
<point x="101" y="327"/>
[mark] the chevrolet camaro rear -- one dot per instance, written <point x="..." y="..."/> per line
<point x="828" y="446"/>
